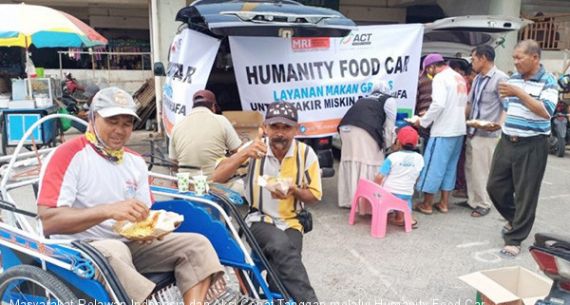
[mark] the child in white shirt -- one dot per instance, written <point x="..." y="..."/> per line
<point x="401" y="169"/>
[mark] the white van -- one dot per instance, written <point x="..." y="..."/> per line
<point x="284" y="18"/>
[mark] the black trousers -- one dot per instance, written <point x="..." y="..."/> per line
<point x="514" y="182"/>
<point x="283" y="251"/>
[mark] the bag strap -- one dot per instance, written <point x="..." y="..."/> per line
<point x="301" y="162"/>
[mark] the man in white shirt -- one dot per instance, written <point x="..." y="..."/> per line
<point x="446" y="115"/>
<point x="93" y="181"/>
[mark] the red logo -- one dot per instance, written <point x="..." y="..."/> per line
<point x="310" y="43"/>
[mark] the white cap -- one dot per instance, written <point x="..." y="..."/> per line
<point x="113" y="101"/>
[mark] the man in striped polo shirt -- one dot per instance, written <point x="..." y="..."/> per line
<point x="529" y="98"/>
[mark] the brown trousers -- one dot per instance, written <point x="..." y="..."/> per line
<point x="191" y="257"/>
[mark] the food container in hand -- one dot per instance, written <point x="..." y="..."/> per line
<point x="158" y="224"/>
<point x="273" y="184"/>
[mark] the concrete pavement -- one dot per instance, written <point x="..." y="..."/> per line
<point x="349" y="266"/>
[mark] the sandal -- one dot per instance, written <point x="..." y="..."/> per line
<point x="423" y="210"/>
<point x="440" y="208"/>
<point x="401" y="223"/>
<point x="480" y="212"/>
<point x="510" y="251"/>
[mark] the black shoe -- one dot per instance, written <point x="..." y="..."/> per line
<point x="480" y="212"/>
<point x="463" y="204"/>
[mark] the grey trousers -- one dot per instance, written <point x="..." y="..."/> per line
<point x="514" y="182"/>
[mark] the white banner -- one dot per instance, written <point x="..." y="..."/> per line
<point x="192" y="55"/>
<point x="325" y="76"/>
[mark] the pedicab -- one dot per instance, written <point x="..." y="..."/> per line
<point x="48" y="271"/>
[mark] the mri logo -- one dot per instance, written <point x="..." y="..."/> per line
<point x="310" y="43"/>
<point x="357" y="39"/>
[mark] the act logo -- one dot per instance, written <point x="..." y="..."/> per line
<point x="357" y="39"/>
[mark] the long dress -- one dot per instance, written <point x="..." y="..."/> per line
<point x="360" y="158"/>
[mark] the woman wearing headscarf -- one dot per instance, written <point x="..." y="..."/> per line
<point x="366" y="129"/>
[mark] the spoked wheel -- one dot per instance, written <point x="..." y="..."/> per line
<point x="31" y="284"/>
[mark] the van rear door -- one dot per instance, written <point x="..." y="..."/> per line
<point x="264" y="18"/>
<point x="457" y="36"/>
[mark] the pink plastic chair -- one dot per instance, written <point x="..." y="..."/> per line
<point x="382" y="202"/>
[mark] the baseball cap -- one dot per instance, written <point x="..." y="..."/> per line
<point x="204" y="96"/>
<point x="431" y="59"/>
<point x="90" y="91"/>
<point x="408" y="136"/>
<point x="281" y="112"/>
<point x="113" y="101"/>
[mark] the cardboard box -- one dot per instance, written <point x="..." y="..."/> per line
<point x="509" y="286"/>
<point x="246" y="123"/>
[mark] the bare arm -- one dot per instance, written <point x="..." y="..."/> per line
<point x="531" y="103"/>
<point x="67" y="220"/>
<point x="534" y="105"/>
<point x="305" y="195"/>
<point x="225" y="170"/>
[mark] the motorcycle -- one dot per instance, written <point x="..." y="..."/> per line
<point x="560" y="126"/>
<point x="560" y="135"/>
<point x="71" y="88"/>
<point x="70" y="85"/>
<point x="552" y="254"/>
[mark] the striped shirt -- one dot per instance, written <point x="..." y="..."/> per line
<point x="520" y="120"/>
<point x="282" y="213"/>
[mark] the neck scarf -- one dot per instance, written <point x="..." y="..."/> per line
<point x="113" y="155"/>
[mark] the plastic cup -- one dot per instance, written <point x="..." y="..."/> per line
<point x="183" y="182"/>
<point x="200" y="185"/>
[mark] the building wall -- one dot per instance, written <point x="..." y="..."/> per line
<point x="555" y="61"/>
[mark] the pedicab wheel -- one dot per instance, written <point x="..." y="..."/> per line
<point x="28" y="283"/>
